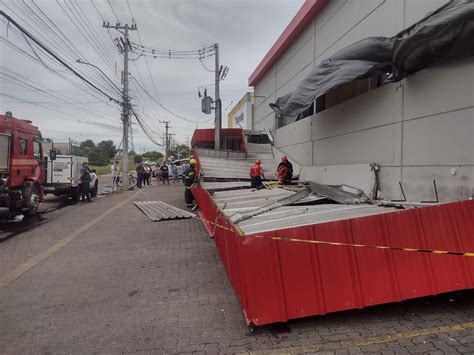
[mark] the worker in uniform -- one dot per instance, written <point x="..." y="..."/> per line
<point x="256" y="175"/>
<point x="284" y="171"/>
<point x="85" y="180"/>
<point x="189" y="180"/>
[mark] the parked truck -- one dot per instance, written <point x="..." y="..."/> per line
<point x="22" y="165"/>
<point x="62" y="177"/>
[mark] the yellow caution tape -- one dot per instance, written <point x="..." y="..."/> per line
<point x="241" y="233"/>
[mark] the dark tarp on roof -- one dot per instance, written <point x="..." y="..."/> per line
<point x="443" y="36"/>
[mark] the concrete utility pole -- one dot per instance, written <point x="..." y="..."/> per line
<point x="125" y="98"/>
<point x="167" y="139"/>
<point x="218" y="105"/>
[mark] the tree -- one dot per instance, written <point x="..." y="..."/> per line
<point x="153" y="156"/>
<point x="138" y="159"/>
<point x="98" y="157"/>
<point x="108" y="148"/>
<point x="181" y="151"/>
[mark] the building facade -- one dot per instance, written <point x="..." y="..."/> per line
<point x="241" y="115"/>
<point x="418" y="130"/>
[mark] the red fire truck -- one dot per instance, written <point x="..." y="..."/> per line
<point x="22" y="167"/>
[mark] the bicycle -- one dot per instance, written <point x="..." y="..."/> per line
<point x="132" y="181"/>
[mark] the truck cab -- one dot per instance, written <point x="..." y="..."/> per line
<point x="22" y="166"/>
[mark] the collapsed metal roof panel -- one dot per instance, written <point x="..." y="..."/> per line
<point x="295" y="216"/>
<point x="159" y="210"/>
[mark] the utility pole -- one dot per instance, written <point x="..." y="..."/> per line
<point x="218" y="105"/>
<point x="167" y="139"/>
<point x="125" y="98"/>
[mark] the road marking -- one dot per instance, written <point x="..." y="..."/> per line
<point x="35" y="260"/>
<point x="369" y="341"/>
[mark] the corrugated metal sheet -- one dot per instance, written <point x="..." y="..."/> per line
<point x="217" y="168"/>
<point x="224" y="185"/>
<point x="238" y="202"/>
<point x="296" y="216"/>
<point x="159" y="210"/>
<point x="280" y="280"/>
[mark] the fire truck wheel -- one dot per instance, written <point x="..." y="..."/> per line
<point x="34" y="202"/>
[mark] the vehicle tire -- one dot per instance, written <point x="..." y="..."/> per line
<point x="34" y="202"/>
<point x="95" y="189"/>
<point x="76" y="194"/>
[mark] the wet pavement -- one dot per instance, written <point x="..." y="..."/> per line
<point x="11" y="226"/>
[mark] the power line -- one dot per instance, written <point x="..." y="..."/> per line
<point x="79" y="119"/>
<point x="112" y="8"/>
<point x="38" y="43"/>
<point x="50" y="35"/>
<point x="164" y="107"/>
<point x="17" y="80"/>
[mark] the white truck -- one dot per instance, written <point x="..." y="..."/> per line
<point x="62" y="177"/>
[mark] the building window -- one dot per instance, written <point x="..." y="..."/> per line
<point x="23" y="146"/>
<point x="347" y="91"/>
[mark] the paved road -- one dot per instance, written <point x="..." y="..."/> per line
<point x="103" y="278"/>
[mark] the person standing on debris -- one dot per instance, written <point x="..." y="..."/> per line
<point x="189" y="181"/>
<point x="146" y="174"/>
<point x="284" y="171"/>
<point x="256" y="175"/>
<point x="175" y="173"/>
<point x="85" y="179"/>
<point x="140" y="175"/>
<point x="115" y="175"/>
<point x="165" y="173"/>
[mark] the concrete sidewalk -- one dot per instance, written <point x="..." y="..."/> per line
<point x="103" y="278"/>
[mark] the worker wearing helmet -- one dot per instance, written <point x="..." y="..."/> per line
<point x="189" y="181"/>
<point x="284" y="171"/>
<point x="256" y="175"/>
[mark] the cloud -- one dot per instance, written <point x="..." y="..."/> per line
<point x="244" y="29"/>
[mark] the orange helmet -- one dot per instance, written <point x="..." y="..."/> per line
<point x="284" y="157"/>
<point x="258" y="161"/>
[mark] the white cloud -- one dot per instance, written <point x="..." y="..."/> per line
<point x="244" y="29"/>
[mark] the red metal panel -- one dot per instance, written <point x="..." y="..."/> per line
<point x="280" y="280"/>
<point x="340" y="285"/>
<point x="265" y="301"/>
<point x="301" y="285"/>
<point x="404" y="231"/>
<point x="440" y="232"/>
<point x="374" y="266"/>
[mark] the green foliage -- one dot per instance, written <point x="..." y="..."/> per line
<point x="99" y="154"/>
<point x="108" y="148"/>
<point x="152" y="156"/>
<point x="181" y="151"/>
<point x="138" y="159"/>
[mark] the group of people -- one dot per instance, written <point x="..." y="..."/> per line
<point x="284" y="173"/>
<point x="161" y="172"/>
<point x="144" y="172"/>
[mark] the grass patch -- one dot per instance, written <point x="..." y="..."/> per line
<point x="103" y="170"/>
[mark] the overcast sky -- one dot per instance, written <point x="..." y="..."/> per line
<point x="68" y="108"/>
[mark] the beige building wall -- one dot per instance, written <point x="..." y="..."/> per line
<point x="418" y="130"/>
